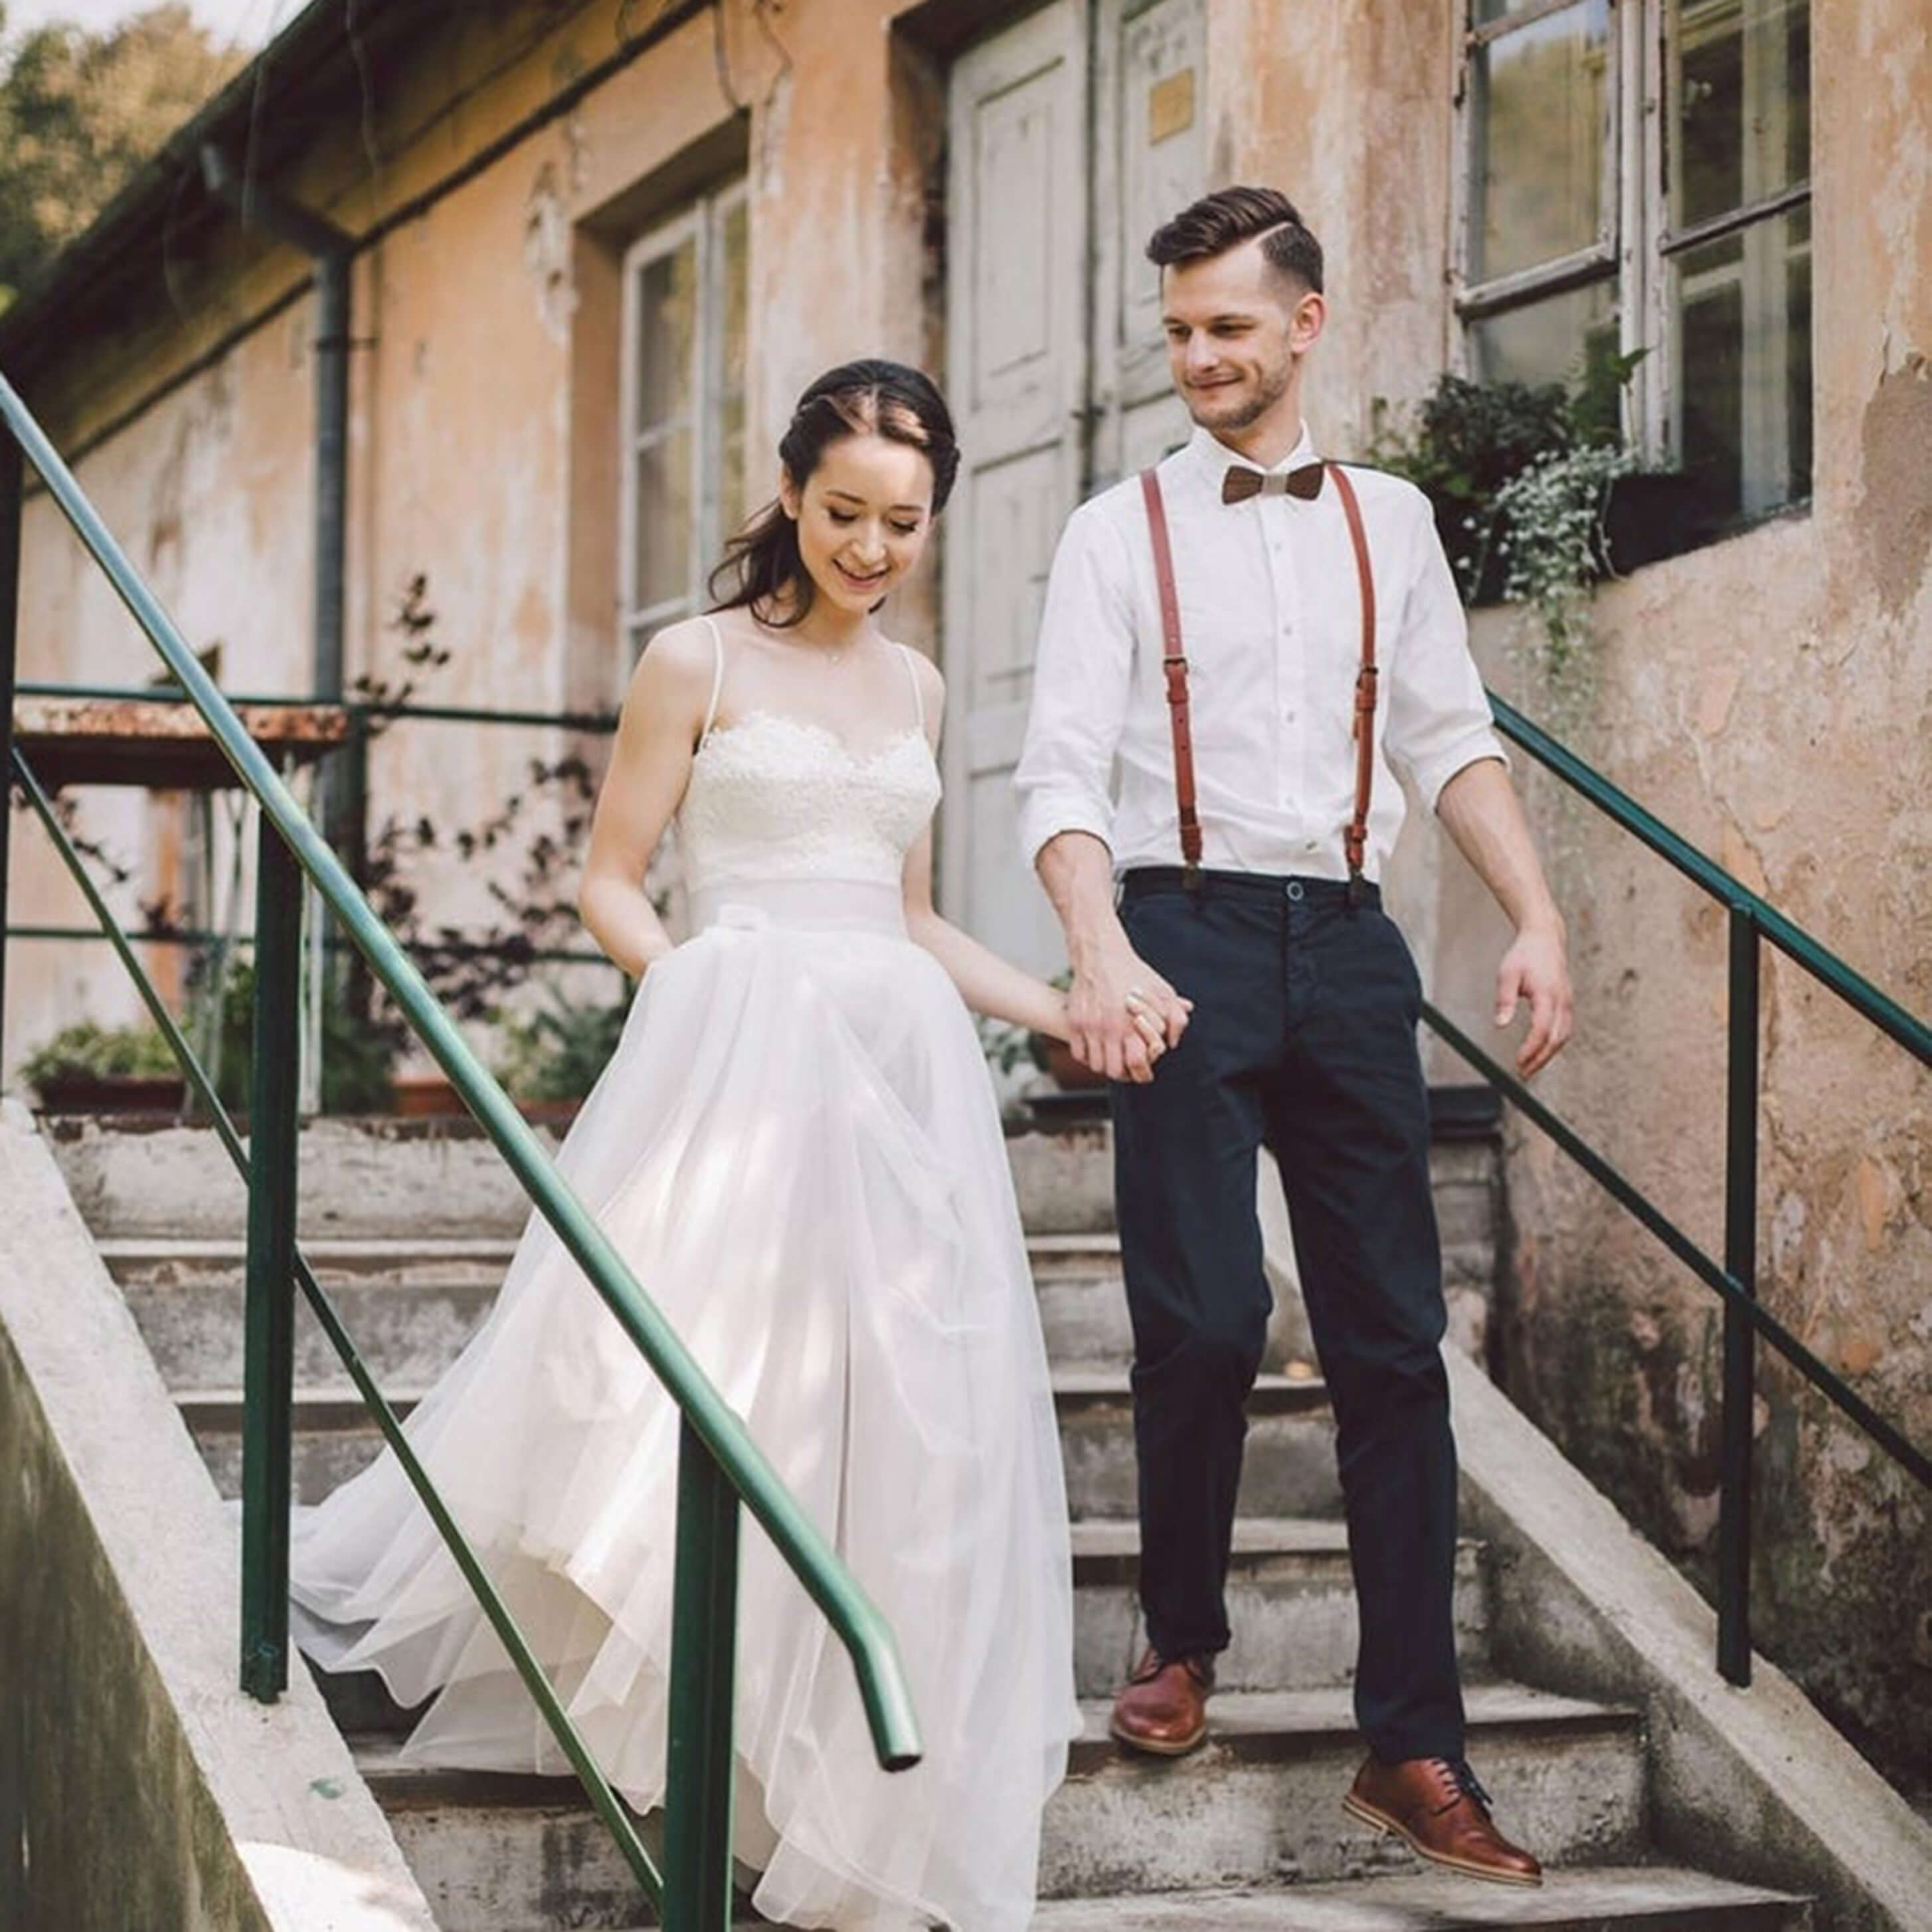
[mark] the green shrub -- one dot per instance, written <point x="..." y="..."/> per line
<point x="92" y="1051"/>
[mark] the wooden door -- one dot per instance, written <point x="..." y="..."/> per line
<point x="1056" y="371"/>
<point x="1016" y="328"/>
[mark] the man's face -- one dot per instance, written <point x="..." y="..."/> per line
<point x="1236" y="329"/>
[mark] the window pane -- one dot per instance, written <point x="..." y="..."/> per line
<point x="1742" y="104"/>
<point x="1550" y="341"/>
<point x="1540" y="100"/>
<point x="1744" y="338"/>
<point x="667" y="332"/>
<point x="662" y="557"/>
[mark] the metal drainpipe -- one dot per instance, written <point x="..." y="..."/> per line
<point x="262" y="206"/>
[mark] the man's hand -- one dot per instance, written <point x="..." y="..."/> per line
<point x="1121" y="1015"/>
<point x="1535" y="969"/>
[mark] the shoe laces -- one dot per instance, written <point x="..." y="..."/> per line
<point x="1467" y="1783"/>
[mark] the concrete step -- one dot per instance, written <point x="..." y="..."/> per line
<point x="1619" y="1898"/>
<point x="1291" y="1600"/>
<point x="413" y="1180"/>
<point x="1260" y="1804"/>
<point x="411" y="1304"/>
<point x="1289" y="1468"/>
<point x="1623" y="1898"/>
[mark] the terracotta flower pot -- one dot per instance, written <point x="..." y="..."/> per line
<point x="418" y="1096"/>
<point x="111" y="1094"/>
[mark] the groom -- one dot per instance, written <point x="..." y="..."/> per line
<point x="1261" y="643"/>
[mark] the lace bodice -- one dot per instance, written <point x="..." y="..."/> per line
<point x="773" y="797"/>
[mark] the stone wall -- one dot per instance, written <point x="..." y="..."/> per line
<point x="139" y="1788"/>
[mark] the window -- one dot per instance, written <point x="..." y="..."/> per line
<point x="683" y="406"/>
<point x="1638" y="179"/>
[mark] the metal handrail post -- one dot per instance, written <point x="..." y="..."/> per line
<point x="11" y="470"/>
<point x="268" y="1399"/>
<point x="1734" y="1500"/>
<point x="703" y="1655"/>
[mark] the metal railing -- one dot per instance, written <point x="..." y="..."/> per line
<point x="1752" y="920"/>
<point x="720" y="1468"/>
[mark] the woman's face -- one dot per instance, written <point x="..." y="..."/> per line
<point x="862" y="516"/>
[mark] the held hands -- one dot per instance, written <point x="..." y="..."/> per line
<point x="1122" y="1016"/>
<point x="1535" y="968"/>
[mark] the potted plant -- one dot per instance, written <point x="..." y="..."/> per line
<point x="357" y="1055"/>
<point x="1536" y="496"/>
<point x="552" y="1056"/>
<point x="89" y="1069"/>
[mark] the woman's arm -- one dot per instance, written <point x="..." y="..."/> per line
<point x="657" y="733"/>
<point x="987" y="984"/>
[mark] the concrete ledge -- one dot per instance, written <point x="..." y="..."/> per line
<point x="1754" y="1783"/>
<point x="138" y="1787"/>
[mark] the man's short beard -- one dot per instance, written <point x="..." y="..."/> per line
<point x="1252" y="412"/>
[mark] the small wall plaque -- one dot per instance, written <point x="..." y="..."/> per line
<point x="1170" y="106"/>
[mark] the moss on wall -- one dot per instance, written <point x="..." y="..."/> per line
<point x="105" y="1822"/>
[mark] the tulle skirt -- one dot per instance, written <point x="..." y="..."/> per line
<point x="797" y="1149"/>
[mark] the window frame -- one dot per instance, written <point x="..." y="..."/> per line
<point x="1637" y="258"/>
<point x="701" y="222"/>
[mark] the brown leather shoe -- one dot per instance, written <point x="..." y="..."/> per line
<point x="1163" y="1707"/>
<point x="1437" y="1807"/>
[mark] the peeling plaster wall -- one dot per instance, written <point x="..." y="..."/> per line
<point x="483" y="446"/>
<point x="198" y="492"/>
<point x="1767" y="696"/>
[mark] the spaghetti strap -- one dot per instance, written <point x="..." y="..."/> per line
<point x="918" y="695"/>
<point x="717" y="674"/>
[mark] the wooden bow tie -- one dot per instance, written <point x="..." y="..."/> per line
<point x="1238" y="482"/>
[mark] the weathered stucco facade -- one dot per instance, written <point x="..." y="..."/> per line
<point x="1766" y="695"/>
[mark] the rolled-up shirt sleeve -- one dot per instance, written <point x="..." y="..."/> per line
<point x="1438" y="719"/>
<point x="1081" y="677"/>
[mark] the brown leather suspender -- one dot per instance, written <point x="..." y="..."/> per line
<point x="1354" y="841"/>
<point x="1174" y="664"/>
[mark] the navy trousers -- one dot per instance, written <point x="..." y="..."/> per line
<point x="1302" y="1038"/>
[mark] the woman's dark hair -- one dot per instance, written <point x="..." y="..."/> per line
<point x="872" y="397"/>
<point x="1222" y="220"/>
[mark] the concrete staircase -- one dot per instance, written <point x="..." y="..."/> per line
<point x="411" y="1237"/>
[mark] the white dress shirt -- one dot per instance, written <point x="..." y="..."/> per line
<point x="1270" y="622"/>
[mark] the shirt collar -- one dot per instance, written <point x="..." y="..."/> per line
<point x="1214" y="458"/>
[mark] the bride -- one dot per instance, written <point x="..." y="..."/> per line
<point x="795" y="1147"/>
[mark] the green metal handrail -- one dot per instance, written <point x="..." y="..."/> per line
<point x="720" y="1466"/>
<point x="1752" y="920"/>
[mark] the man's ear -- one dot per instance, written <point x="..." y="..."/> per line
<point x="1305" y="321"/>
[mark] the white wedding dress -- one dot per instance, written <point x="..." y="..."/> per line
<point x="795" y="1147"/>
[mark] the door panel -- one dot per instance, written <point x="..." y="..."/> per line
<point x="1056" y="371"/>
<point x="1017" y="380"/>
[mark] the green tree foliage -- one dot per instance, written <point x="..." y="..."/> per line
<point x="79" y="111"/>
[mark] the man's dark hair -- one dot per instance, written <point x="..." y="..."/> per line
<point x="1222" y="220"/>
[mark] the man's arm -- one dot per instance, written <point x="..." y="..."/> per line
<point x="1479" y="809"/>
<point x="1082" y="675"/>
<point x="1111" y="982"/>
